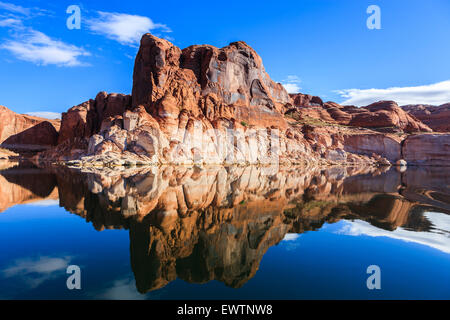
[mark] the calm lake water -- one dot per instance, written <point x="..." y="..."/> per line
<point x="225" y="232"/>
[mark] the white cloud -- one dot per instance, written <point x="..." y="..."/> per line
<point x="14" y="8"/>
<point x="121" y="289"/>
<point x="291" y="84"/>
<point x="35" y="271"/>
<point x="45" y="114"/>
<point x="124" y="28"/>
<point x="36" y="47"/>
<point x="44" y="203"/>
<point x="10" y="22"/>
<point x="438" y="238"/>
<point x="291" y="237"/>
<point x="435" y="94"/>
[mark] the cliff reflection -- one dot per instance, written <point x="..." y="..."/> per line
<point x="216" y="223"/>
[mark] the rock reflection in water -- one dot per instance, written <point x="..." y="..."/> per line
<point x="216" y="223"/>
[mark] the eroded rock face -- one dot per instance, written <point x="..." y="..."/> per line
<point x="382" y="115"/>
<point x="374" y="144"/>
<point x="436" y="117"/>
<point x="86" y="119"/>
<point x="427" y="149"/>
<point x="41" y="136"/>
<point x="206" y="81"/>
<point x="205" y="105"/>
<point x="306" y="100"/>
<point x="23" y="132"/>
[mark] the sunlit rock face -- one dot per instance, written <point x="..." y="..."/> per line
<point x="208" y="105"/>
<point x="431" y="149"/>
<point x="216" y="223"/>
<point x="384" y="116"/>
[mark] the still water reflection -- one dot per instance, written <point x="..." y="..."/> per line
<point x="224" y="232"/>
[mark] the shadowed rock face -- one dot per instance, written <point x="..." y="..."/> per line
<point x="216" y="223"/>
<point x="41" y="136"/>
<point x="21" y="132"/>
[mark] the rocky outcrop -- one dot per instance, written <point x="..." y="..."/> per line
<point x="26" y="133"/>
<point x="206" y="81"/>
<point x="374" y="144"/>
<point x="436" y="117"/>
<point x="427" y="149"/>
<point x="208" y="105"/>
<point x="86" y="119"/>
<point x="383" y="115"/>
<point x="39" y="137"/>
<point x="306" y="100"/>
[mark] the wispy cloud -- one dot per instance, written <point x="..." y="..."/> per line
<point x="14" y="8"/>
<point x="38" y="48"/>
<point x="121" y="289"/>
<point x="31" y="45"/>
<point x="10" y="22"/>
<point x="125" y="28"/>
<point x="35" y="271"/>
<point x="291" y="84"/>
<point x="45" y="114"/>
<point x="17" y="10"/>
<point x="291" y="237"/>
<point x="435" y="94"/>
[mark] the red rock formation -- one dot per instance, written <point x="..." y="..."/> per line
<point x="306" y="100"/>
<point x="384" y="114"/>
<point x="23" y="132"/>
<point x="374" y="144"/>
<point x="206" y="81"/>
<point x="41" y="136"/>
<point x="436" y="117"/>
<point x="207" y="105"/>
<point x="86" y="119"/>
<point x="380" y="115"/>
<point x="427" y="149"/>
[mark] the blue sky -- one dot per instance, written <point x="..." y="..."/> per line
<point x="318" y="47"/>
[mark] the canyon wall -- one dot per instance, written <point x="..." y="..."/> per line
<point x="208" y="105"/>
<point x="21" y="132"/>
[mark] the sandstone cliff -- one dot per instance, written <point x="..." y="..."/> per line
<point x="436" y="117"/>
<point x="21" y="132"/>
<point x="208" y="105"/>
